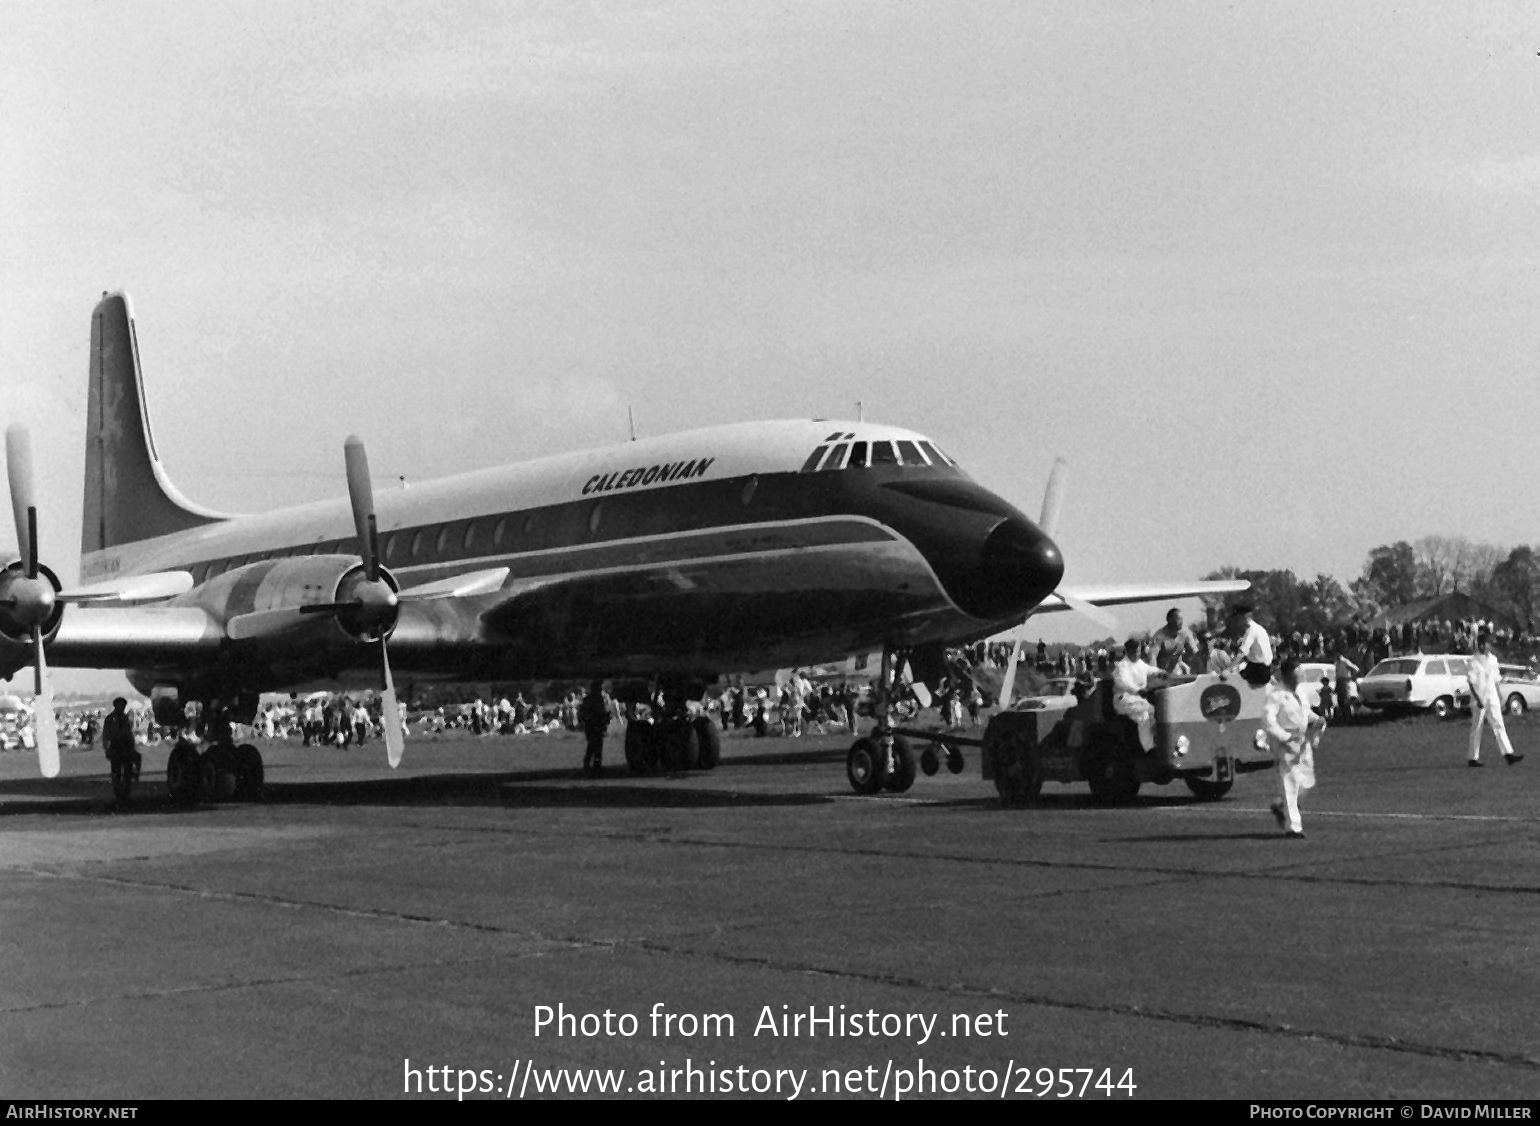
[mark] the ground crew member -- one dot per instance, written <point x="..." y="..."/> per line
<point x="1294" y="731"/>
<point x="1130" y="677"/>
<point x="1254" y="651"/>
<point x="594" y="715"/>
<point x="1486" y="703"/>
<point x="118" y="742"/>
<point x="1173" y="642"/>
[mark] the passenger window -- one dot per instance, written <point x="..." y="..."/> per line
<point x="882" y="454"/>
<point x="1438" y="668"/>
<point x="858" y="455"/>
<point x="500" y="532"/>
<point x="392" y="545"/>
<point x="470" y="536"/>
<point x="443" y="540"/>
<point x="417" y="544"/>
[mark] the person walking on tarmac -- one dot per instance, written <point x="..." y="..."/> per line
<point x="594" y="715"/>
<point x="1294" y="731"/>
<point x="1486" y="703"/>
<point x="118" y="742"/>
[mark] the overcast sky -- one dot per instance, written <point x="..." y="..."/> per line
<point x="1265" y="274"/>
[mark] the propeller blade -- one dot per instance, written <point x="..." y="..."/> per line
<point x="458" y="586"/>
<point x="390" y="713"/>
<point x="1008" y="685"/>
<point x="45" y="727"/>
<point x="138" y="588"/>
<point x="361" y="494"/>
<point x="1053" y="497"/>
<point x="1090" y="610"/>
<point x="18" y="471"/>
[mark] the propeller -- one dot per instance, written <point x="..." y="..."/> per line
<point x="375" y="599"/>
<point x="372" y="600"/>
<point x="32" y="598"/>
<point x="1053" y="503"/>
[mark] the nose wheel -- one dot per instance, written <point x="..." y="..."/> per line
<point x="881" y="761"/>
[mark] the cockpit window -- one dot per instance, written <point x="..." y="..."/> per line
<point x="909" y="454"/>
<point x="858" y="455"/>
<point x="814" y="458"/>
<point x="935" y="455"/>
<point x="836" y="457"/>
<point x="882" y="454"/>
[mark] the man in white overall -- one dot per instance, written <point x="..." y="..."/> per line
<point x="1294" y="731"/>
<point x="1131" y="677"/>
<point x="1486" y="702"/>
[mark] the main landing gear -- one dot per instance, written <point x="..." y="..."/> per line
<point x="672" y="744"/>
<point x="223" y="772"/>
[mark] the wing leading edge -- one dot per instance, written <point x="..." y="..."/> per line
<point x="1123" y="594"/>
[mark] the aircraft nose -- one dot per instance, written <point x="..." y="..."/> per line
<point x="1019" y="566"/>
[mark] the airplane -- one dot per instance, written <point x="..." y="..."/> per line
<point x="674" y="558"/>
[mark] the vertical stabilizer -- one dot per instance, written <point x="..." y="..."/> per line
<point x="128" y="497"/>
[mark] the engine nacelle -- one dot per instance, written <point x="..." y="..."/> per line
<point x="23" y="600"/>
<point x="326" y="582"/>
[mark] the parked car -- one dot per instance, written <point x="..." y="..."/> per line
<point x="1434" y="682"/>
<point x="1520" y="689"/>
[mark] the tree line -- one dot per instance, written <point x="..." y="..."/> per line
<point x="1395" y="574"/>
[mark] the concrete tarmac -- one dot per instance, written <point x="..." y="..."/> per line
<point x="361" y="930"/>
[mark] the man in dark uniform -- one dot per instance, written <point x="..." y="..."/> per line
<point x="594" y="715"/>
<point x="118" y="741"/>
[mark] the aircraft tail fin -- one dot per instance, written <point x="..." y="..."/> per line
<point x="128" y="496"/>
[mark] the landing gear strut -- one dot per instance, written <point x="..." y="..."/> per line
<point x="883" y="760"/>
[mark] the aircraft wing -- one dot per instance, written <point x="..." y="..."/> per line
<point x="1123" y="594"/>
<point x="115" y="637"/>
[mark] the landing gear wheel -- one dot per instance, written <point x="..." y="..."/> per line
<point x="901" y="775"/>
<point x="182" y="773"/>
<point x="1018" y="774"/>
<point x="710" y="740"/>
<point x="930" y="761"/>
<point x="218" y="773"/>
<point x="1209" y="791"/>
<point x="954" y="760"/>
<point x="642" y="748"/>
<point x="208" y="780"/>
<point x="681" y="745"/>
<point x="1110" y="770"/>
<point x="249" y="774"/>
<point x="861" y="767"/>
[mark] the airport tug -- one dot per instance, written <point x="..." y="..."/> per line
<point x="1208" y="729"/>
